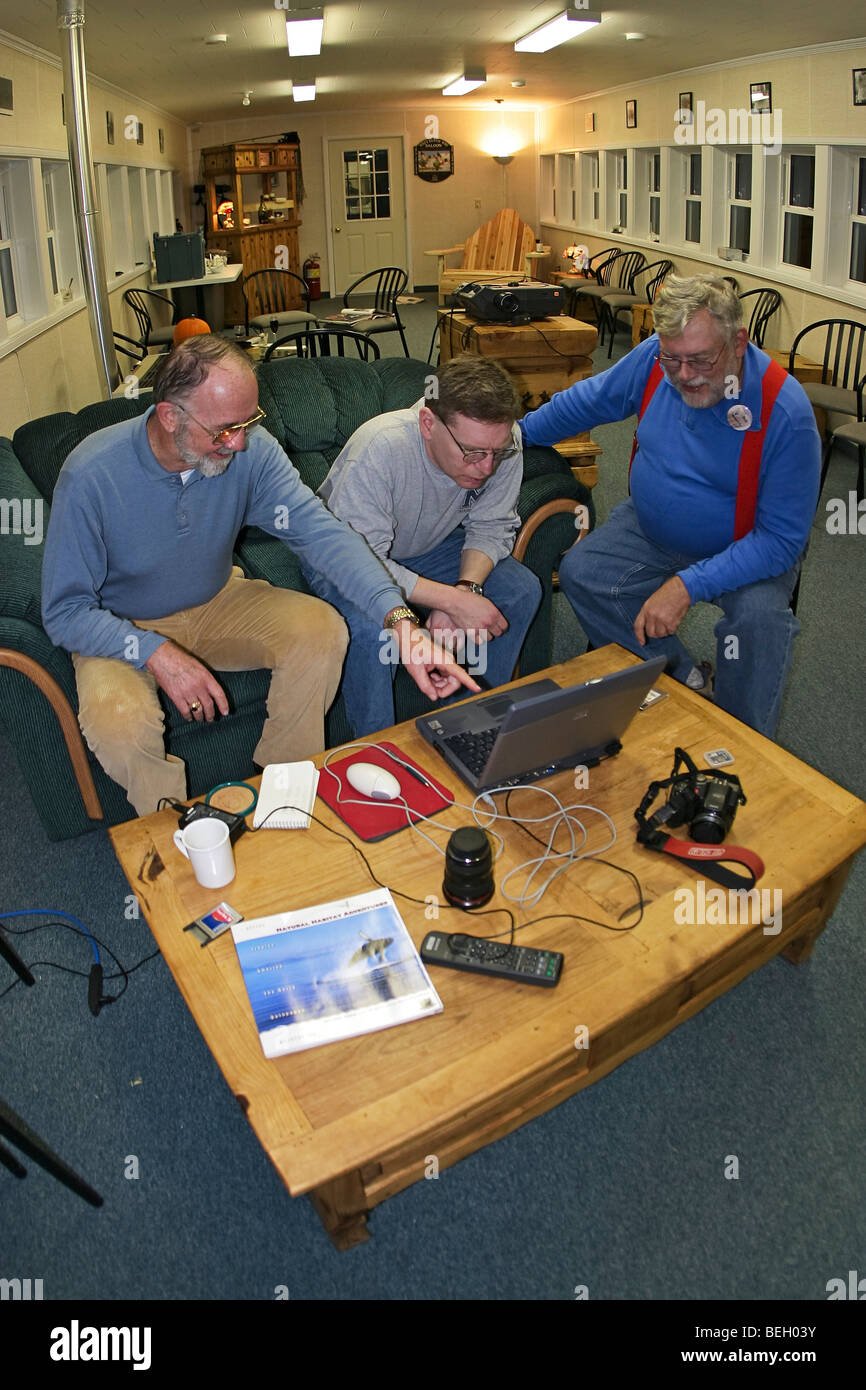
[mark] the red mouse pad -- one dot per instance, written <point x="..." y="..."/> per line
<point x="376" y="820"/>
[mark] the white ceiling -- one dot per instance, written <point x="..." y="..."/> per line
<point x="402" y="52"/>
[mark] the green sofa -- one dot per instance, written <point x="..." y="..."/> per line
<point x="312" y="408"/>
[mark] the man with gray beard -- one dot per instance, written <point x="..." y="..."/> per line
<point x="139" y="585"/>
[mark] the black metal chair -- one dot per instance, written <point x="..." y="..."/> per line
<point x="612" y="305"/>
<point x="766" y="304"/>
<point x="384" y="285"/>
<point x="850" y="432"/>
<point x="600" y="267"/>
<point x="271" y="296"/>
<point x="317" y="342"/>
<point x="130" y="347"/>
<point x="843" y="361"/>
<point x="151" y="337"/>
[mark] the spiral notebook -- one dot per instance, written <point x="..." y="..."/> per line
<point x="286" y="784"/>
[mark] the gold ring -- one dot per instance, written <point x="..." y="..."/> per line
<point x="196" y="704"/>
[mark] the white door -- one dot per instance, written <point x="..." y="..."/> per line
<point x="368" y="208"/>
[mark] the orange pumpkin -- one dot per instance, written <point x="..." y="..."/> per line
<point x="189" y="328"/>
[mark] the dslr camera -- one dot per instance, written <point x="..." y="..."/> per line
<point x="705" y="800"/>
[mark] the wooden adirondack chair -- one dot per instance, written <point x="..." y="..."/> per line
<point x="497" y="250"/>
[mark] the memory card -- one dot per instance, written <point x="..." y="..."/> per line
<point x="212" y="924"/>
<point x="718" y="757"/>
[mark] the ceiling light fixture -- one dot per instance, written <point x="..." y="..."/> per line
<point x="245" y="100"/>
<point x="304" y="32"/>
<point x="472" y="78"/>
<point x="217" y="38"/>
<point x="573" y="21"/>
<point x="303" y="91"/>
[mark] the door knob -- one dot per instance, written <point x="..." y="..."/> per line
<point x="338" y="229"/>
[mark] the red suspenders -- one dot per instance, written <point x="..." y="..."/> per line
<point x="750" y="453"/>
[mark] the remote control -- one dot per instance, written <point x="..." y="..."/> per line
<point x="481" y="957"/>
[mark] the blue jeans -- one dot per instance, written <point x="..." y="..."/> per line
<point x="368" y="675"/>
<point x="614" y="570"/>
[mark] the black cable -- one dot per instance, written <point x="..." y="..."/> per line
<point x="123" y="972"/>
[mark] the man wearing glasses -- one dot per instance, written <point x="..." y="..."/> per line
<point x="432" y="489"/>
<point x="138" y="581"/>
<point x="724" y="485"/>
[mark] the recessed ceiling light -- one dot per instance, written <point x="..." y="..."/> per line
<point x="567" y="25"/>
<point x="303" y="91"/>
<point x="635" y="36"/>
<point x="472" y="78"/>
<point x="519" y="82"/>
<point x="304" y="32"/>
<point x="217" y="38"/>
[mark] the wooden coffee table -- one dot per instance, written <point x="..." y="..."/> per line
<point x="356" y="1121"/>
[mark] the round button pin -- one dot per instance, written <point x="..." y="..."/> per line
<point x="740" y="417"/>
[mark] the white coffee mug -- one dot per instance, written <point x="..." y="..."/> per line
<point x="207" y="846"/>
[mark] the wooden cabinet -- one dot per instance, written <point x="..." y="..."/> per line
<point x="261" y="183"/>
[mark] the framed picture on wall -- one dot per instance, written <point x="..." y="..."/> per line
<point x="109" y="127"/>
<point x="630" y="115"/>
<point x="589" y="122"/>
<point x="859" y="79"/>
<point x="161" y="140"/>
<point x="760" y="96"/>
<point x="685" y="114"/>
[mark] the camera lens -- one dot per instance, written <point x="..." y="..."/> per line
<point x="468" y="878"/>
<point x="716" y="816"/>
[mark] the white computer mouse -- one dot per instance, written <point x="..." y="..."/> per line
<point x="373" y="781"/>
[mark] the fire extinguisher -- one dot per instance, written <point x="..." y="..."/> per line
<point x="313" y="276"/>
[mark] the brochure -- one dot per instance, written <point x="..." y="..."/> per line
<point x="330" y="972"/>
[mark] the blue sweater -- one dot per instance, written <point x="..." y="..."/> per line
<point x="684" y="476"/>
<point x="127" y="539"/>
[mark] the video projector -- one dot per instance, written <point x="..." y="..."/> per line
<point x="515" y="302"/>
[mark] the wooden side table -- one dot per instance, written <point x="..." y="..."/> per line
<point x="543" y="356"/>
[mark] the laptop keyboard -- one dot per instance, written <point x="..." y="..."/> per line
<point x="473" y="749"/>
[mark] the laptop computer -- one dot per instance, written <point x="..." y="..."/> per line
<point x="513" y="737"/>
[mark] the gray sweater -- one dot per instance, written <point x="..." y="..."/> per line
<point x="385" y="485"/>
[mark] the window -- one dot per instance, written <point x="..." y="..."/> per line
<point x="617" y="198"/>
<point x="566" y="197"/>
<point x="693" y="172"/>
<point x="23" y="294"/>
<point x="367" y="185"/>
<point x="60" y="230"/>
<point x="548" y="189"/>
<point x="857" y="263"/>
<point x="8" y="267"/>
<point x="740" y="200"/>
<point x="655" y="188"/>
<point x="798" y="202"/>
<point x="590" y="195"/>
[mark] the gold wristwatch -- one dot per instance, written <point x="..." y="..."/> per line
<point x="398" y="614"/>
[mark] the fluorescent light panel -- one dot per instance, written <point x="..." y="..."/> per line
<point x="303" y="91"/>
<point x="304" y="34"/>
<point x="472" y="78"/>
<point x="565" y="26"/>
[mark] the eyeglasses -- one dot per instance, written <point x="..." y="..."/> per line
<point x="701" y="363"/>
<point x="479" y="455"/>
<point x="224" y="435"/>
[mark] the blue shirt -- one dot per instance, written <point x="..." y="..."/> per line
<point x="684" y="476"/>
<point x="127" y="539"/>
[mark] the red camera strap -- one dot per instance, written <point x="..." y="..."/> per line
<point x="710" y="859"/>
